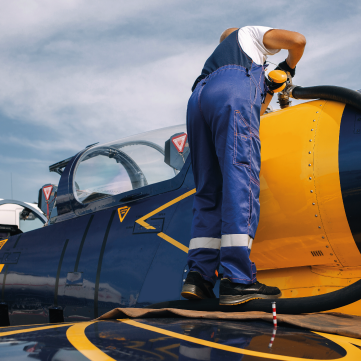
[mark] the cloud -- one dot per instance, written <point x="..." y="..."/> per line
<point x="41" y="145"/>
<point x="82" y="71"/>
<point x="10" y="160"/>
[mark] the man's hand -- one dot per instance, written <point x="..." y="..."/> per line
<point x="290" y="40"/>
<point x="285" y="67"/>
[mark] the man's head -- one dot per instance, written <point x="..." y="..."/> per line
<point x="226" y="33"/>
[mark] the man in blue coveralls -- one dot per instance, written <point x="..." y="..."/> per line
<point x="223" y="119"/>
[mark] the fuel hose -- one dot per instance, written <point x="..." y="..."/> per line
<point x="329" y="92"/>
<point x="294" y="306"/>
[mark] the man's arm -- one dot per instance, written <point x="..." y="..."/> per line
<point x="264" y="105"/>
<point x="283" y="39"/>
<point x="290" y="40"/>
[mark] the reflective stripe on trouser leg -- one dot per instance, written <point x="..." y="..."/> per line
<point x="235" y="251"/>
<point x="203" y="256"/>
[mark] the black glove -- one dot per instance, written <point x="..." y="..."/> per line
<point x="285" y="67"/>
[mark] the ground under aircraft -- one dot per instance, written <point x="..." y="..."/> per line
<point x="119" y="225"/>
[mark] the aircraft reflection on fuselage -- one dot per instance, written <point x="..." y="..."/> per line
<point x="26" y="302"/>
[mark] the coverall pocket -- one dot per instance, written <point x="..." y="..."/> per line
<point x="242" y="140"/>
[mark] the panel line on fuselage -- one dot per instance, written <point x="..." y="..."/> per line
<point x="58" y="273"/>
<point x="82" y="243"/>
<point x="100" y="261"/>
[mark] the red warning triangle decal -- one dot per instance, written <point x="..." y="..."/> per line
<point x="180" y="141"/>
<point x="47" y="191"/>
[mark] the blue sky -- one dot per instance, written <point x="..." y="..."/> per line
<point x="76" y="72"/>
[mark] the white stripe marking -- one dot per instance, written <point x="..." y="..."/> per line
<point x="236" y="240"/>
<point x="205" y="242"/>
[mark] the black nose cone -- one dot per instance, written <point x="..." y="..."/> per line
<point x="350" y="169"/>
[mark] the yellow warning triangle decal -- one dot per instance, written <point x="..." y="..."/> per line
<point x="123" y="211"/>
<point x="2" y="242"/>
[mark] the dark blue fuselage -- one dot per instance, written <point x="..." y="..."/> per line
<point x="89" y="261"/>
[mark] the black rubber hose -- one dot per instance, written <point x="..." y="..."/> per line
<point x="329" y="92"/>
<point x="326" y="302"/>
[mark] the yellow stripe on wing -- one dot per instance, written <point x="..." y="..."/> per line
<point x="76" y="336"/>
<point x="172" y="241"/>
<point x="141" y="220"/>
<point x="9" y="333"/>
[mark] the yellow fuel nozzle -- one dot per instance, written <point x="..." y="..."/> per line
<point x="277" y="77"/>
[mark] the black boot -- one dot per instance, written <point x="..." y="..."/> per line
<point x="235" y="293"/>
<point x="196" y="288"/>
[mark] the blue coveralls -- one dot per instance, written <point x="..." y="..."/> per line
<point x="223" y="118"/>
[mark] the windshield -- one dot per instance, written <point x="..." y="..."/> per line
<point x="130" y="163"/>
<point x="28" y="221"/>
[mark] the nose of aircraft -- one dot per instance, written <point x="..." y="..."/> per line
<point x="350" y="169"/>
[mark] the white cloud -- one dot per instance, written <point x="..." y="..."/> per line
<point x="11" y="160"/>
<point x="42" y="145"/>
<point x="111" y="103"/>
<point x="74" y="72"/>
<point x="42" y="18"/>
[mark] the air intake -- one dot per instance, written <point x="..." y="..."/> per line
<point x="316" y="253"/>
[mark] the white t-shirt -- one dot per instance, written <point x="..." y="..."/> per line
<point x="251" y="40"/>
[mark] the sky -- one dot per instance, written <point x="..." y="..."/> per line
<point x="77" y="72"/>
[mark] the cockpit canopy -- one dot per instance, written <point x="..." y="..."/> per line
<point x="130" y="163"/>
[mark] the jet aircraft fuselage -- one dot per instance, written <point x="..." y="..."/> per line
<point x="118" y="235"/>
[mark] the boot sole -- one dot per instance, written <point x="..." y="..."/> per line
<point x="192" y="292"/>
<point x="232" y="300"/>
